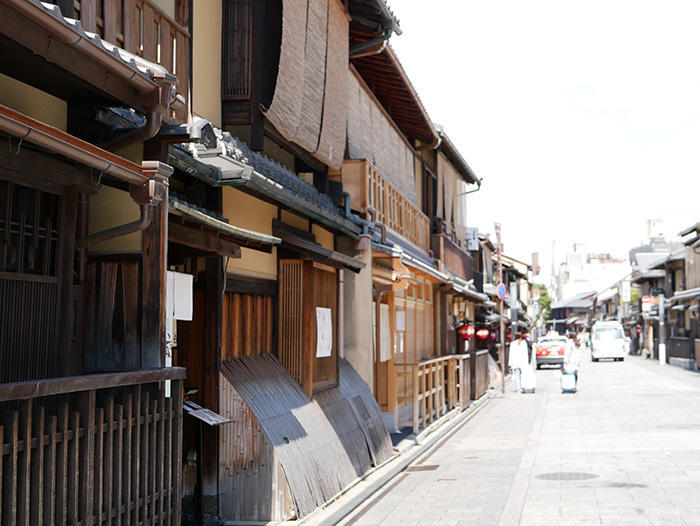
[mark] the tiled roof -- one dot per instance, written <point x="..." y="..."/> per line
<point x="232" y="162"/>
<point x="239" y="150"/>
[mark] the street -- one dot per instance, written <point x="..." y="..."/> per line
<point x="624" y="449"/>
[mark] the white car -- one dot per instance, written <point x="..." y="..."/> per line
<point x="608" y="341"/>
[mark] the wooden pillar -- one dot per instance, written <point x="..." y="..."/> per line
<point x="309" y="326"/>
<point x="154" y="242"/>
<point x="72" y="364"/>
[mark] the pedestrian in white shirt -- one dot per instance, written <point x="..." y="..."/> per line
<point x="573" y="354"/>
<point x="518" y="359"/>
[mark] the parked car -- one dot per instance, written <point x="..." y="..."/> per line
<point x="550" y="350"/>
<point x="608" y="341"/>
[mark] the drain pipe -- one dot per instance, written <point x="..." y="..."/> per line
<point x="377" y="224"/>
<point x="118" y="231"/>
<point x="146" y="196"/>
<point x="154" y="121"/>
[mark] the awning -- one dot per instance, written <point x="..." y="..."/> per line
<point x="241" y="236"/>
<point x="412" y="261"/>
<point x="57" y="141"/>
<point x="463" y="287"/>
<point x="687" y="294"/>
<point x="307" y="246"/>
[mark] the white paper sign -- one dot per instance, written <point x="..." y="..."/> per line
<point x="385" y="333"/>
<point x="400" y="320"/>
<point x="178" y="295"/>
<point x="324" y="332"/>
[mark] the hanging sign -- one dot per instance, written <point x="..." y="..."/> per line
<point x="501" y="291"/>
<point x="466" y="331"/>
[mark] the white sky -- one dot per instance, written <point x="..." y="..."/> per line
<point x="583" y="118"/>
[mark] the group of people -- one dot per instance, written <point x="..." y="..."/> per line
<point x="522" y="355"/>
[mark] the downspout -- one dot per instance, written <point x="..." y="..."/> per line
<point x="118" y="231"/>
<point x="147" y="196"/>
<point x="377" y="224"/>
<point x="162" y="99"/>
<point x="149" y="130"/>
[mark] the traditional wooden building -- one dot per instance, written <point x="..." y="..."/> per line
<point x="262" y="232"/>
<point x="408" y="180"/>
<point x="90" y="419"/>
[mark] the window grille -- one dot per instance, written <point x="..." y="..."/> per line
<point x="236" y="54"/>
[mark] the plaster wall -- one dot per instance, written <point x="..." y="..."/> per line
<point x="206" y="60"/>
<point x="112" y="207"/>
<point x="246" y="211"/>
<point x="357" y="304"/>
<point x="32" y="102"/>
<point x="323" y="237"/>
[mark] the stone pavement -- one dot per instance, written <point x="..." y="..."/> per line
<point x="623" y="450"/>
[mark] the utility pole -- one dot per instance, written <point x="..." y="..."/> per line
<point x="502" y="349"/>
<point x="662" y="330"/>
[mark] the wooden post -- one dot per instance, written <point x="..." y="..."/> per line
<point x="502" y="351"/>
<point x="415" y="397"/>
<point x="309" y="327"/>
<point x="176" y="459"/>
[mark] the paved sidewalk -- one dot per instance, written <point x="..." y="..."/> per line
<point x="623" y="450"/>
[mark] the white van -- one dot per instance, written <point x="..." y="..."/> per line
<point x="608" y="341"/>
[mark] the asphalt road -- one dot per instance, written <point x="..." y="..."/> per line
<point x="624" y="449"/>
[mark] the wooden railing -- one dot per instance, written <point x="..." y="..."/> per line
<point x="368" y="189"/>
<point x="142" y="28"/>
<point x="481" y="376"/>
<point x="452" y="256"/>
<point x="98" y="449"/>
<point x="433" y="387"/>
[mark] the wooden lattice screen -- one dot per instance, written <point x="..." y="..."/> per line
<point x="248" y="327"/>
<point x="29" y="282"/>
<point x="291" y="315"/>
<point x="236" y="52"/>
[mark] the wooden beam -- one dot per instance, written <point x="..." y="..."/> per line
<point x="200" y="240"/>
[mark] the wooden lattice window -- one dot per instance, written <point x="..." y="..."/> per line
<point x="236" y="51"/>
<point x="28" y="230"/>
<point x="29" y="282"/>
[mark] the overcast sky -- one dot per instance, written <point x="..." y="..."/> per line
<point x="583" y="118"/>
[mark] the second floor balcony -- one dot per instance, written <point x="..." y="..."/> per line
<point x="453" y="257"/>
<point x="373" y="196"/>
<point x="141" y="28"/>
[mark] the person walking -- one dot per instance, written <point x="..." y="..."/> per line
<point x="573" y="355"/>
<point x="518" y="359"/>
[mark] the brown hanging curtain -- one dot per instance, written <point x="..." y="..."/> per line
<point x="309" y="107"/>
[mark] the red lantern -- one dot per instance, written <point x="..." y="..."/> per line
<point x="482" y="334"/>
<point x="493" y="336"/>
<point x="466" y="331"/>
<point x="509" y="336"/>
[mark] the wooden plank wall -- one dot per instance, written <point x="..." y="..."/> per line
<point x="95" y="458"/>
<point x="112" y="316"/>
<point x="252" y="486"/>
